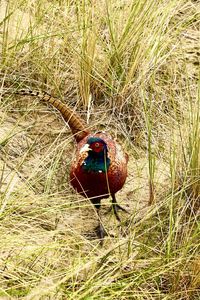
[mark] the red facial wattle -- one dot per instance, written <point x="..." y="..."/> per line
<point x="97" y="147"/>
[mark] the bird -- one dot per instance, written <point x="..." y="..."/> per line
<point x="99" y="167"/>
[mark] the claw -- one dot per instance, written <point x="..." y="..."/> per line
<point x="116" y="207"/>
<point x="101" y="232"/>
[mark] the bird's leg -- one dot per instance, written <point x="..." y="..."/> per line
<point x="115" y="206"/>
<point x="100" y="231"/>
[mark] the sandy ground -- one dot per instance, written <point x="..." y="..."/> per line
<point x="35" y="157"/>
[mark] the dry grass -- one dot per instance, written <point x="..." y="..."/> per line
<point x="129" y="67"/>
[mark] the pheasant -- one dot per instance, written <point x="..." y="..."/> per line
<point x="99" y="168"/>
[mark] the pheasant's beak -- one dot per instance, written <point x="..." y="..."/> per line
<point x="85" y="148"/>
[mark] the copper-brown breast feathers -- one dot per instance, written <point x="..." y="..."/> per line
<point x="96" y="184"/>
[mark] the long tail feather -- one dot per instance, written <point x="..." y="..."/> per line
<point x="76" y="123"/>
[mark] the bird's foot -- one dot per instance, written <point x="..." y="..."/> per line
<point x="116" y="207"/>
<point x="102" y="233"/>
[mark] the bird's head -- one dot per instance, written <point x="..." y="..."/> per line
<point x="97" y="159"/>
<point x="96" y="145"/>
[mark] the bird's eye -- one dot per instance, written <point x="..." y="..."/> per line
<point x="97" y="145"/>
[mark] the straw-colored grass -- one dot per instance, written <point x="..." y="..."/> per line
<point x="128" y="67"/>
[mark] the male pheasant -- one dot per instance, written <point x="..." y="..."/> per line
<point x="99" y="168"/>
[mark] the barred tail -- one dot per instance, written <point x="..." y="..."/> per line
<point x="76" y="124"/>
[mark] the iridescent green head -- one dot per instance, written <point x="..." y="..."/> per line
<point x="97" y="160"/>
